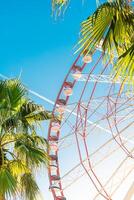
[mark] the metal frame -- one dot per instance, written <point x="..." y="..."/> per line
<point x="82" y="121"/>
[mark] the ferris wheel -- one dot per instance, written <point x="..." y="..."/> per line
<point x="92" y="147"/>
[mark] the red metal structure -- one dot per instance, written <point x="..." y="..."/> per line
<point x="106" y="107"/>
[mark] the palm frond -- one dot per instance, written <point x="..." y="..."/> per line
<point x="17" y="168"/>
<point x="7" y="182"/>
<point x="28" y="151"/>
<point x="94" y="28"/>
<point x="40" y="141"/>
<point x="59" y="7"/>
<point x="34" y="112"/>
<point x="12" y="96"/>
<point x="28" y="114"/>
<point x="12" y="92"/>
<point x="124" y="66"/>
<point x="29" y="187"/>
<point x="112" y="22"/>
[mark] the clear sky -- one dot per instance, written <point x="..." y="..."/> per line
<point x="40" y="48"/>
<point x="31" y="41"/>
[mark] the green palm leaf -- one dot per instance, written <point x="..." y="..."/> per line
<point x="29" y="188"/>
<point x="7" y="182"/>
<point x="21" y="149"/>
<point x="34" y="112"/>
<point x="59" y="6"/>
<point x="11" y="94"/>
<point x="29" y="152"/>
<point x="114" y="23"/>
<point x="17" y="168"/>
<point x="124" y="66"/>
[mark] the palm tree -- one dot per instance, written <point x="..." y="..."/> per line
<point x="22" y="151"/>
<point x="112" y="23"/>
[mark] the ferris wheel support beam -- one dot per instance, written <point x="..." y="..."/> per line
<point x="130" y="193"/>
<point x="118" y="180"/>
<point x="102" y="79"/>
<point x="76" y="172"/>
<point x="92" y="175"/>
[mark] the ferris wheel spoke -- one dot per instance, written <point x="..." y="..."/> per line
<point x="130" y="193"/>
<point x="101" y="79"/>
<point x="114" y="125"/>
<point x="103" y="153"/>
<point x="118" y="177"/>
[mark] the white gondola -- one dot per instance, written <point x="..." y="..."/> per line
<point x="54" y="146"/>
<point x="87" y="58"/>
<point x="55" y="126"/>
<point x="53" y="169"/>
<point x="60" y="106"/>
<point x="60" y="109"/>
<point x="68" y="91"/>
<point x="76" y="72"/>
<point x="53" y="162"/>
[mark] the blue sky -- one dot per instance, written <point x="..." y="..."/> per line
<point x="31" y="41"/>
